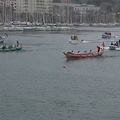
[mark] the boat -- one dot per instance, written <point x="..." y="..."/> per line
<point x="106" y="35"/>
<point x="2" y="37"/>
<point x="1" y="41"/>
<point x="114" y="45"/>
<point x="73" y="40"/>
<point x="91" y="54"/>
<point x="9" y="48"/>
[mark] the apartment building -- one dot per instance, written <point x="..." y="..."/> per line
<point x="73" y="13"/>
<point x="29" y="6"/>
<point x="24" y="10"/>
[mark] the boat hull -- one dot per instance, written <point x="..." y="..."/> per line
<point x="113" y="47"/>
<point x="106" y="36"/>
<point x="73" y="41"/>
<point x="75" y="56"/>
<point x="93" y="54"/>
<point x="12" y="49"/>
<point x="1" y="41"/>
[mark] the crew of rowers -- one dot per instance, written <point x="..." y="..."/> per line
<point x="90" y="52"/>
<point x="74" y="37"/>
<point x="10" y="46"/>
<point x="85" y="52"/>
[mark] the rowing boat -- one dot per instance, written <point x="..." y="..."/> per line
<point x="92" y="54"/>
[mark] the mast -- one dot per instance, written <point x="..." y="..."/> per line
<point x="4" y="12"/>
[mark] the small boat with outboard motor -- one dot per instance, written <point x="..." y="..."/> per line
<point x="73" y="39"/>
<point x="114" y="45"/>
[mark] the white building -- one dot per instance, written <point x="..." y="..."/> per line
<point x="33" y="6"/>
<point x="29" y="6"/>
<point x="27" y="10"/>
<point x="83" y="8"/>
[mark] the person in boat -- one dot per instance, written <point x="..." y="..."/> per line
<point x="17" y="43"/>
<point x="103" y="44"/>
<point x="98" y="47"/>
<point x="4" y="47"/>
<point x="78" y="53"/>
<point x="0" y="37"/>
<point x="90" y="52"/>
<point x="116" y="43"/>
<point x="85" y="52"/>
<point x="77" y="38"/>
<point x="111" y="43"/>
<point x="119" y="42"/>
<point x="72" y="38"/>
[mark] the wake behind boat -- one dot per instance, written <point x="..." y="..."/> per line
<point x="93" y="53"/>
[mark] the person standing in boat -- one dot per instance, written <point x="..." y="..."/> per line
<point x="17" y="43"/>
<point x="98" y="48"/>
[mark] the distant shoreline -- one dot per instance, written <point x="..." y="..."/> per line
<point x="52" y="27"/>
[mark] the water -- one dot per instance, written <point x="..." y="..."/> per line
<point x="35" y="86"/>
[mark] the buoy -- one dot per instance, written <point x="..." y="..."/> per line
<point x="63" y="66"/>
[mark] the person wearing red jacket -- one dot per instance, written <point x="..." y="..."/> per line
<point x="98" y="48"/>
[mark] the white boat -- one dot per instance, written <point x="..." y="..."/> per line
<point x="73" y="41"/>
<point x="108" y="35"/>
<point x="1" y="41"/>
<point x="2" y="37"/>
<point x="115" y="45"/>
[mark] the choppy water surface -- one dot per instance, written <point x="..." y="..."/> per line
<point x="35" y="86"/>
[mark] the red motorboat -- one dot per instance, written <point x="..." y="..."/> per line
<point x="92" y="54"/>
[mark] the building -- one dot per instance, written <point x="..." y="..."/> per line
<point x="74" y="13"/>
<point x="28" y="8"/>
<point x="65" y="1"/>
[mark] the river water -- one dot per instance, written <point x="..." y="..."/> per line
<point x="35" y="86"/>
